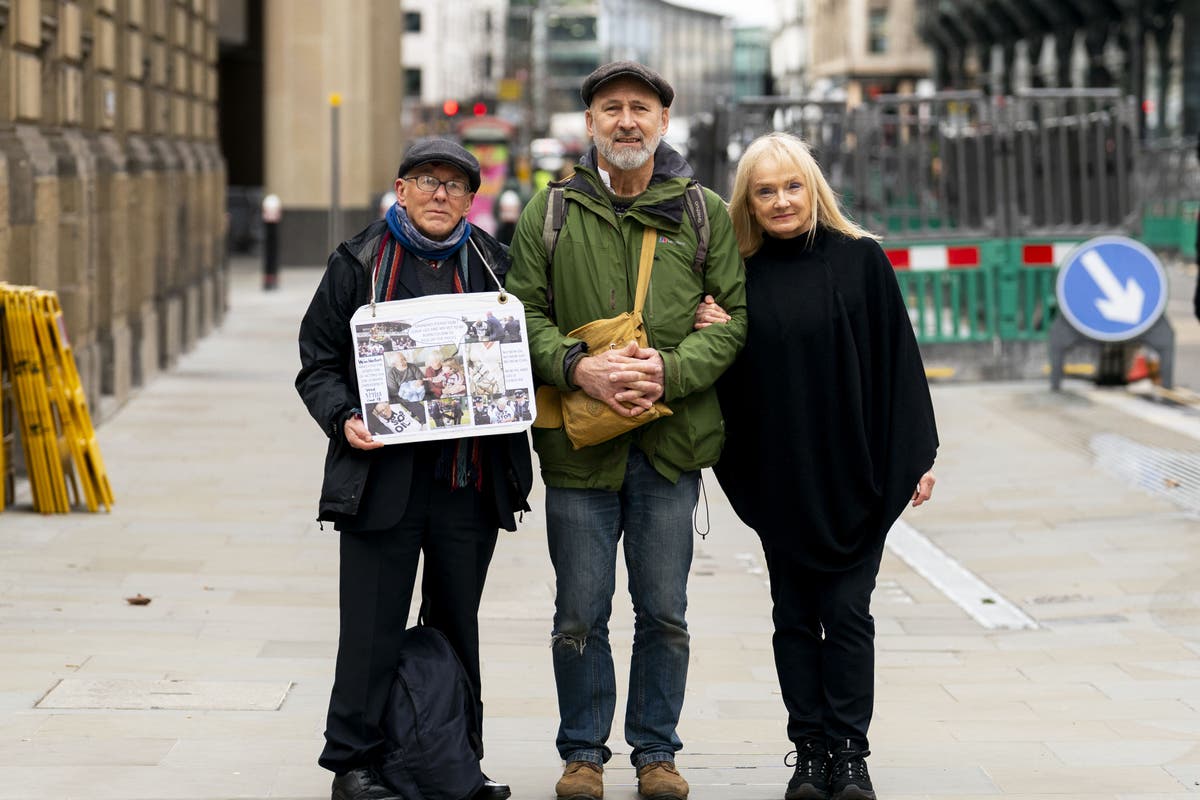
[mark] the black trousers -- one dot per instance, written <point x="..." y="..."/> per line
<point x="378" y="571"/>
<point x="824" y="646"/>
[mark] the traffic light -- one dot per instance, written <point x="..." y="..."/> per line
<point x="450" y="108"/>
<point x="480" y="108"/>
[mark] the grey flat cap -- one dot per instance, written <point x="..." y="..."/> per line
<point x="444" y="151"/>
<point x="626" y="69"/>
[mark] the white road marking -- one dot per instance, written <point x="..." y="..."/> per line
<point x="985" y="605"/>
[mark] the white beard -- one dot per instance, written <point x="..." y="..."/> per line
<point x="624" y="158"/>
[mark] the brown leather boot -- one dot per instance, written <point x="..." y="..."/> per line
<point x="659" y="780"/>
<point x="581" y="780"/>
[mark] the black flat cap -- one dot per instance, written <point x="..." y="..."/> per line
<point x="444" y="151"/>
<point x="626" y="69"/>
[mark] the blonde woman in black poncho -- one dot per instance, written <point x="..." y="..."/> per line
<point x="820" y="460"/>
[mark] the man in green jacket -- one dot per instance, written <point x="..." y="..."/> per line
<point x="644" y="483"/>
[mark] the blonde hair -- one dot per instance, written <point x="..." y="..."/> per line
<point x="785" y="152"/>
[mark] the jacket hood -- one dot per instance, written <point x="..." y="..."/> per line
<point x="658" y="199"/>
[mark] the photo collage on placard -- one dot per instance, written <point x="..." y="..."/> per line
<point x="409" y="387"/>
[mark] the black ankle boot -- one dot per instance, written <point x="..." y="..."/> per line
<point x="810" y="781"/>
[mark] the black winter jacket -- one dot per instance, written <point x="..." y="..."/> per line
<point x="329" y="387"/>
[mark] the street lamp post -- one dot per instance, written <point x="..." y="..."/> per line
<point x="335" y="208"/>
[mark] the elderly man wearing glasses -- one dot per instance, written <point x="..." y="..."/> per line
<point x="391" y="504"/>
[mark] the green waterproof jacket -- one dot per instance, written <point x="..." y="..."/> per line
<point x="594" y="276"/>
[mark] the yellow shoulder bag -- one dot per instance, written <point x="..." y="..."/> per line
<point x="587" y="420"/>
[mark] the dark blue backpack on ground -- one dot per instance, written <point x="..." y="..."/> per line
<point x="430" y="722"/>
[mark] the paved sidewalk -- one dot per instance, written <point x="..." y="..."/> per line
<point x="1063" y="505"/>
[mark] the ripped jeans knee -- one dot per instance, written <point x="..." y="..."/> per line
<point x="562" y="639"/>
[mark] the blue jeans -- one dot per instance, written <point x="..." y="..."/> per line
<point x="584" y="526"/>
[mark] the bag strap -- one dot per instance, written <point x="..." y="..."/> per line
<point x="556" y="209"/>
<point x="697" y="211"/>
<point x="645" y="265"/>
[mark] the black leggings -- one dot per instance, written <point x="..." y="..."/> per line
<point x="824" y="646"/>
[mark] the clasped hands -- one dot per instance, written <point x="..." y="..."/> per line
<point x="631" y="374"/>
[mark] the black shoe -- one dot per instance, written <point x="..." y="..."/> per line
<point x="361" y="784"/>
<point x="492" y="790"/>
<point x="810" y="781"/>
<point x="848" y="778"/>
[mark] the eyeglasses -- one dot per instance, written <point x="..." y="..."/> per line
<point x="430" y="184"/>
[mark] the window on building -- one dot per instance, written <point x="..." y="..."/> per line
<point x="412" y="21"/>
<point x="412" y="82"/>
<point x="519" y="28"/>
<point x="877" y="30"/>
<point x="572" y="29"/>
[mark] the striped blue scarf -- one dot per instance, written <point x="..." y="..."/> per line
<point x="418" y="243"/>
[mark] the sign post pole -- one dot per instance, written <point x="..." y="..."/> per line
<point x="335" y="208"/>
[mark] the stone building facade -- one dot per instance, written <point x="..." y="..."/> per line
<point x="861" y="48"/>
<point x="111" y="178"/>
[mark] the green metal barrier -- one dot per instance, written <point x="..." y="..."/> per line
<point x="1172" y="229"/>
<point x="1036" y="302"/>
<point x="1001" y="297"/>
<point x="951" y="305"/>
<point x="1187" y="230"/>
<point x="947" y="304"/>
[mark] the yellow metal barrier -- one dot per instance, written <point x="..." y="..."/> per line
<point x="56" y="429"/>
<point x="67" y="391"/>
<point x="4" y="484"/>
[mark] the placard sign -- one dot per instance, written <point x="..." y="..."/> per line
<point x="443" y="367"/>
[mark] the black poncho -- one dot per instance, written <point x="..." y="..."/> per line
<point x="828" y="419"/>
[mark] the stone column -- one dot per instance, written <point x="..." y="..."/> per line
<point x="144" y="168"/>
<point x="106" y="102"/>
<point x="313" y="49"/>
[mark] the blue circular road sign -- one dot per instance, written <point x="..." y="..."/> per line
<point x="1112" y="288"/>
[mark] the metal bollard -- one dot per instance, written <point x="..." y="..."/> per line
<point x="272" y="210"/>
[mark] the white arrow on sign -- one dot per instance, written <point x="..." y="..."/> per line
<point x="1118" y="304"/>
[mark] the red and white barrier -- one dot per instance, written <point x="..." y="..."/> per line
<point x="937" y="257"/>
<point x="1046" y="254"/>
<point x="934" y="257"/>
